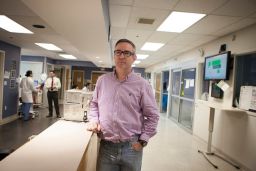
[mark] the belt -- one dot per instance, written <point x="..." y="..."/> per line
<point x="132" y="139"/>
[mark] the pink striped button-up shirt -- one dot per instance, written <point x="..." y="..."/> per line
<point x="124" y="109"/>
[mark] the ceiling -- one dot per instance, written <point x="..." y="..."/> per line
<point x="223" y="17"/>
<point x="79" y="27"/>
<point x="76" y="26"/>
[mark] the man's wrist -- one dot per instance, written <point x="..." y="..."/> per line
<point x="143" y="143"/>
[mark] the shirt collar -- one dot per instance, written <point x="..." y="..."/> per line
<point x="128" y="77"/>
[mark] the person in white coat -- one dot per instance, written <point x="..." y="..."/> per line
<point x="86" y="87"/>
<point x="27" y="88"/>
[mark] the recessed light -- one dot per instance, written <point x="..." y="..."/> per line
<point x="179" y="21"/>
<point x="38" y="26"/>
<point x="137" y="62"/>
<point x="100" y="61"/>
<point x="67" y="56"/>
<point x="97" y="57"/>
<point x="152" y="46"/>
<point x="141" y="56"/>
<point x="11" y="26"/>
<point x="49" y="46"/>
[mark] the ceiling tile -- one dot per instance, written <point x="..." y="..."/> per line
<point x="185" y="39"/>
<point x="159" y="4"/>
<point x="198" y="6"/>
<point x="116" y="19"/>
<point x="137" y="35"/>
<point x="168" y="50"/>
<point x="253" y="15"/>
<point x="156" y="14"/>
<point x="123" y="2"/>
<point x="17" y="8"/>
<point x="237" y="8"/>
<point x="236" y="26"/>
<point x="117" y="32"/>
<point x="211" y="24"/>
<point x="204" y="39"/>
<point x="162" y="37"/>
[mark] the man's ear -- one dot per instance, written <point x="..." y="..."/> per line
<point x="135" y="57"/>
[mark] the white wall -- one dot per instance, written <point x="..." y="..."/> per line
<point x="234" y="132"/>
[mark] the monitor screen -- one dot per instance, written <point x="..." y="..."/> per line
<point x="35" y="83"/>
<point x="216" y="67"/>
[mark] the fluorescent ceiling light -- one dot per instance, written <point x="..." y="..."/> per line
<point x="141" y="56"/>
<point x="49" y="46"/>
<point x="66" y="56"/>
<point x="137" y="62"/>
<point x="179" y="21"/>
<point x="152" y="46"/>
<point x="11" y="26"/>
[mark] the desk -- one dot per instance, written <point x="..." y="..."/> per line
<point x="64" y="146"/>
<point x="212" y="107"/>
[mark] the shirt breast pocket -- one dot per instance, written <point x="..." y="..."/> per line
<point x="134" y="100"/>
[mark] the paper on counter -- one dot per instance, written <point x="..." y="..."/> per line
<point x="186" y="83"/>
<point x="223" y="85"/>
<point x="192" y="83"/>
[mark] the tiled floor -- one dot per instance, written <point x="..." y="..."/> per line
<point x="171" y="149"/>
<point x="16" y="133"/>
<point x="174" y="149"/>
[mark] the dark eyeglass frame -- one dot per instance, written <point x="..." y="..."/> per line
<point x="126" y="53"/>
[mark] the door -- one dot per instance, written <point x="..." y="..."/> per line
<point x="95" y="76"/>
<point x="165" y="85"/>
<point x="2" y="55"/>
<point x="158" y="88"/>
<point x="59" y="72"/>
<point x="78" y="78"/>
<point x="187" y="95"/>
<point x="182" y="96"/>
<point x="67" y="79"/>
<point x="175" y="101"/>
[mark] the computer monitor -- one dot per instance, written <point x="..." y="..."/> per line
<point x="35" y="83"/>
<point x="216" y="67"/>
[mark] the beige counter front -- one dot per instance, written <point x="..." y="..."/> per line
<point x="64" y="146"/>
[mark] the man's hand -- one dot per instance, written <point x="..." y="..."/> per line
<point x="94" y="127"/>
<point x="137" y="146"/>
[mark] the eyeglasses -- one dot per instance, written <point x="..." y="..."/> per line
<point x="126" y="53"/>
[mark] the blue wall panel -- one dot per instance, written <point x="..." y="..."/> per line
<point x="88" y="70"/>
<point x="10" y="95"/>
<point x="32" y="58"/>
<point x="140" y="70"/>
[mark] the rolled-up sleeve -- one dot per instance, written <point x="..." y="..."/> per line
<point x="150" y="113"/>
<point x="93" y="115"/>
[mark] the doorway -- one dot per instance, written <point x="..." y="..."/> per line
<point x="164" y="95"/>
<point x="95" y="76"/>
<point x="2" y="57"/>
<point x="78" y="78"/>
<point x="59" y="72"/>
<point x="158" y="88"/>
<point x="182" y="96"/>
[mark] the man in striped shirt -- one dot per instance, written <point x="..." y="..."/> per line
<point x="123" y="112"/>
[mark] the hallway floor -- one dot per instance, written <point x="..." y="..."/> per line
<point x="16" y="133"/>
<point x="174" y="149"/>
<point x="171" y="149"/>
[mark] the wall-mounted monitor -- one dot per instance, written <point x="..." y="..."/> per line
<point x="216" y="67"/>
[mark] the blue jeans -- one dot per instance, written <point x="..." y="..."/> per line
<point x="118" y="157"/>
<point x="25" y="110"/>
